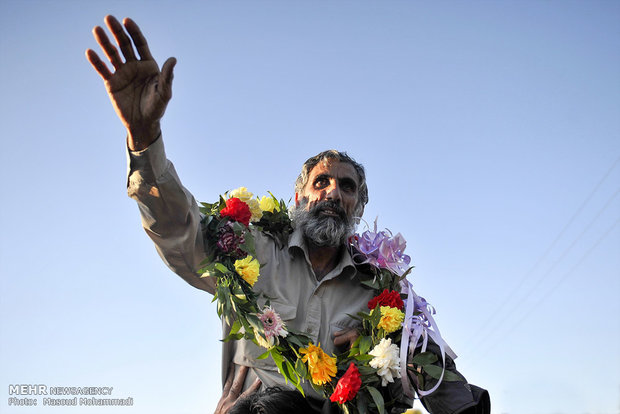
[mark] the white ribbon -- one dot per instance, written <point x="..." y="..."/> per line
<point x="414" y="328"/>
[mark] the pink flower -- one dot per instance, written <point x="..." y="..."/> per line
<point x="273" y="326"/>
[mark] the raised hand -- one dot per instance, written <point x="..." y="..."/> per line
<point x="139" y="91"/>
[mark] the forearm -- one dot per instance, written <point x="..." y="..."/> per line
<point x="169" y="212"/>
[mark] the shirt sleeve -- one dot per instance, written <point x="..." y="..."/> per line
<point x="169" y="212"/>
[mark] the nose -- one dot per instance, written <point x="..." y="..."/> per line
<point x="333" y="192"/>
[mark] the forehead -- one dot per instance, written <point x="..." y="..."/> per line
<point x="335" y="169"/>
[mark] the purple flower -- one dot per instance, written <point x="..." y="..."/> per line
<point x="229" y="242"/>
<point x="382" y="250"/>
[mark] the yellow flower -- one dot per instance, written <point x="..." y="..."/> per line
<point x="391" y="319"/>
<point x="241" y="193"/>
<point x="321" y="366"/>
<point x="255" y="209"/>
<point x="248" y="269"/>
<point x="413" y="411"/>
<point x="269" y="204"/>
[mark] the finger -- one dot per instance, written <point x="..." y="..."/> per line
<point x="167" y="76"/>
<point x="108" y="48"/>
<point x="253" y="388"/>
<point x="340" y="341"/>
<point x="239" y="380"/>
<point x="98" y="64"/>
<point x="229" y="379"/>
<point x="121" y="37"/>
<point x="138" y="39"/>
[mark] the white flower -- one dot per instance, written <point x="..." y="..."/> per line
<point x="386" y="361"/>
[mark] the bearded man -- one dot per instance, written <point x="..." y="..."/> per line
<point x="312" y="280"/>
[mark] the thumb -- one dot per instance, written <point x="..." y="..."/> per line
<point x="166" y="76"/>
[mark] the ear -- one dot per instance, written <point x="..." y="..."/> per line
<point x="296" y="199"/>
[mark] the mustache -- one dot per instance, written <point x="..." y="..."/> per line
<point x="329" y="205"/>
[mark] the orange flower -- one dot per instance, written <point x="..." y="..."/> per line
<point x="321" y="366"/>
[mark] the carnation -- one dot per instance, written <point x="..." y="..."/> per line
<point x="391" y="319"/>
<point x="244" y="195"/>
<point x="347" y="386"/>
<point x="237" y="210"/>
<point x="387" y="298"/>
<point x="386" y="361"/>
<point x="248" y="269"/>
<point x="229" y="242"/>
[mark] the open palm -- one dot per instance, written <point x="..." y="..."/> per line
<point x="137" y="88"/>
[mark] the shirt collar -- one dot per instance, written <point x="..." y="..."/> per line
<point x="345" y="266"/>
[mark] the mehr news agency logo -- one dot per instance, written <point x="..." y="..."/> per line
<point x="72" y="396"/>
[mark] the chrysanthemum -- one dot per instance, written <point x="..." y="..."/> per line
<point x="321" y="366"/>
<point x="273" y="326"/>
<point x="391" y="319"/>
<point x="386" y="361"/>
<point x="248" y="269"/>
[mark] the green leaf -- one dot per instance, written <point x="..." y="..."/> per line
<point x="264" y="355"/>
<point x="277" y="357"/>
<point x="366" y="370"/>
<point x="221" y="268"/>
<point x="377" y="398"/>
<point x="424" y="358"/>
<point x="371" y="283"/>
<point x="235" y="327"/>
<point x="363" y="357"/>
<point x="365" y="344"/>
<point x="362" y="403"/>
<point x="290" y="372"/>
<point x="432" y="370"/>
<point x="236" y="337"/>
<point x="301" y="369"/>
<point x="375" y="316"/>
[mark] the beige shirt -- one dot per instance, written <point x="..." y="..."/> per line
<point x="171" y="218"/>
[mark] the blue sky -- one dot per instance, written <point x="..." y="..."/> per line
<point x="490" y="132"/>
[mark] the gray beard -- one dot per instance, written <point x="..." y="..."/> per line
<point x="321" y="230"/>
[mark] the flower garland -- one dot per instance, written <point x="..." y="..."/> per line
<point x="357" y="380"/>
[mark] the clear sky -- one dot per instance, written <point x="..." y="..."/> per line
<point x="490" y="131"/>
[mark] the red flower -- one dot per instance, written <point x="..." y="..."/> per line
<point x="347" y="386"/>
<point x="391" y="299"/>
<point x="237" y="210"/>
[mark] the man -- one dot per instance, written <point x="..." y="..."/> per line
<point x="312" y="280"/>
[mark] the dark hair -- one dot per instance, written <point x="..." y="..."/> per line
<point x="273" y="400"/>
<point x="302" y="180"/>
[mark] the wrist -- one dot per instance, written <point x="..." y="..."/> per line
<point x="140" y="138"/>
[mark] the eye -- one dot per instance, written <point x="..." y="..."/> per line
<point x="321" y="182"/>
<point x="348" y="186"/>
